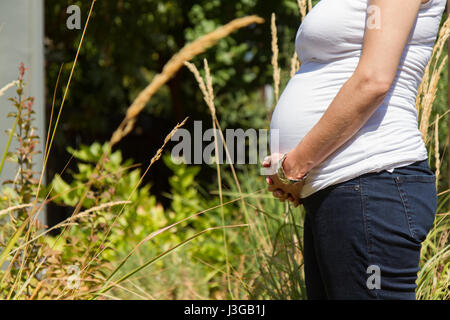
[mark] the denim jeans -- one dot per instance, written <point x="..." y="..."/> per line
<point x="362" y="237"/>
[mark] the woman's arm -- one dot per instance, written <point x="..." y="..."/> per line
<point x="366" y="89"/>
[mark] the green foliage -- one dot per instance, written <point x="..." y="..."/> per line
<point x="143" y="216"/>
<point x="274" y="255"/>
<point x="24" y="132"/>
<point x="129" y="41"/>
<point x="22" y="191"/>
<point x="116" y="182"/>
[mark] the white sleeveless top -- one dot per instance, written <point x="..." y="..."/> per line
<point x="329" y="44"/>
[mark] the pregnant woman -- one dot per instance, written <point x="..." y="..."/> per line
<point x="349" y="146"/>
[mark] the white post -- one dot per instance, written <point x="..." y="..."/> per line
<point x="22" y="40"/>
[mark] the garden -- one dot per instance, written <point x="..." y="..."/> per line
<point x="127" y="221"/>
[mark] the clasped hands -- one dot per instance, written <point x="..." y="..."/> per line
<point x="281" y="191"/>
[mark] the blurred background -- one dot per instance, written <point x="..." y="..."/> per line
<point x="126" y="46"/>
<point x="129" y="42"/>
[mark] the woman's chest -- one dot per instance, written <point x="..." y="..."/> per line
<point x="332" y="30"/>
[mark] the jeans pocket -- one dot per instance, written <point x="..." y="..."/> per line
<point x="419" y="196"/>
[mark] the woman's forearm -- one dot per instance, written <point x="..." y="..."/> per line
<point x="357" y="100"/>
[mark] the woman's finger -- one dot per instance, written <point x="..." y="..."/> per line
<point x="277" y="196"/>
<point x="278" y="193"/>
<point x="266" y="162"/>
<point x="284" y="197"/>
<point x="298" y="202"/>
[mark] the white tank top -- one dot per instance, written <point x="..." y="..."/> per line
<point x="329" y="44"/>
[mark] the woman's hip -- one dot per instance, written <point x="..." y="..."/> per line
<point x="378" y="219"/>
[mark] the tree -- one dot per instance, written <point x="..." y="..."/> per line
<point x="129" y="41"/>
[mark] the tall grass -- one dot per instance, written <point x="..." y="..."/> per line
<point x="434" y="277"/>
<point x="23" y="240"/>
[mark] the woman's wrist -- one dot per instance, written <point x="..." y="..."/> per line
<point x="293" y="167"/>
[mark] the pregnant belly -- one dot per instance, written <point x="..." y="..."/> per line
<point x="305" y="99"/>
<point x="390" y="137"/>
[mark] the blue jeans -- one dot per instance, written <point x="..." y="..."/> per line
<point x="362" y="237"/>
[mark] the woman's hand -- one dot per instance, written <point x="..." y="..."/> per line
<point x="280" y="190"/>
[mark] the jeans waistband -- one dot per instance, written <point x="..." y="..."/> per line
<point x="418" y="167"/>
